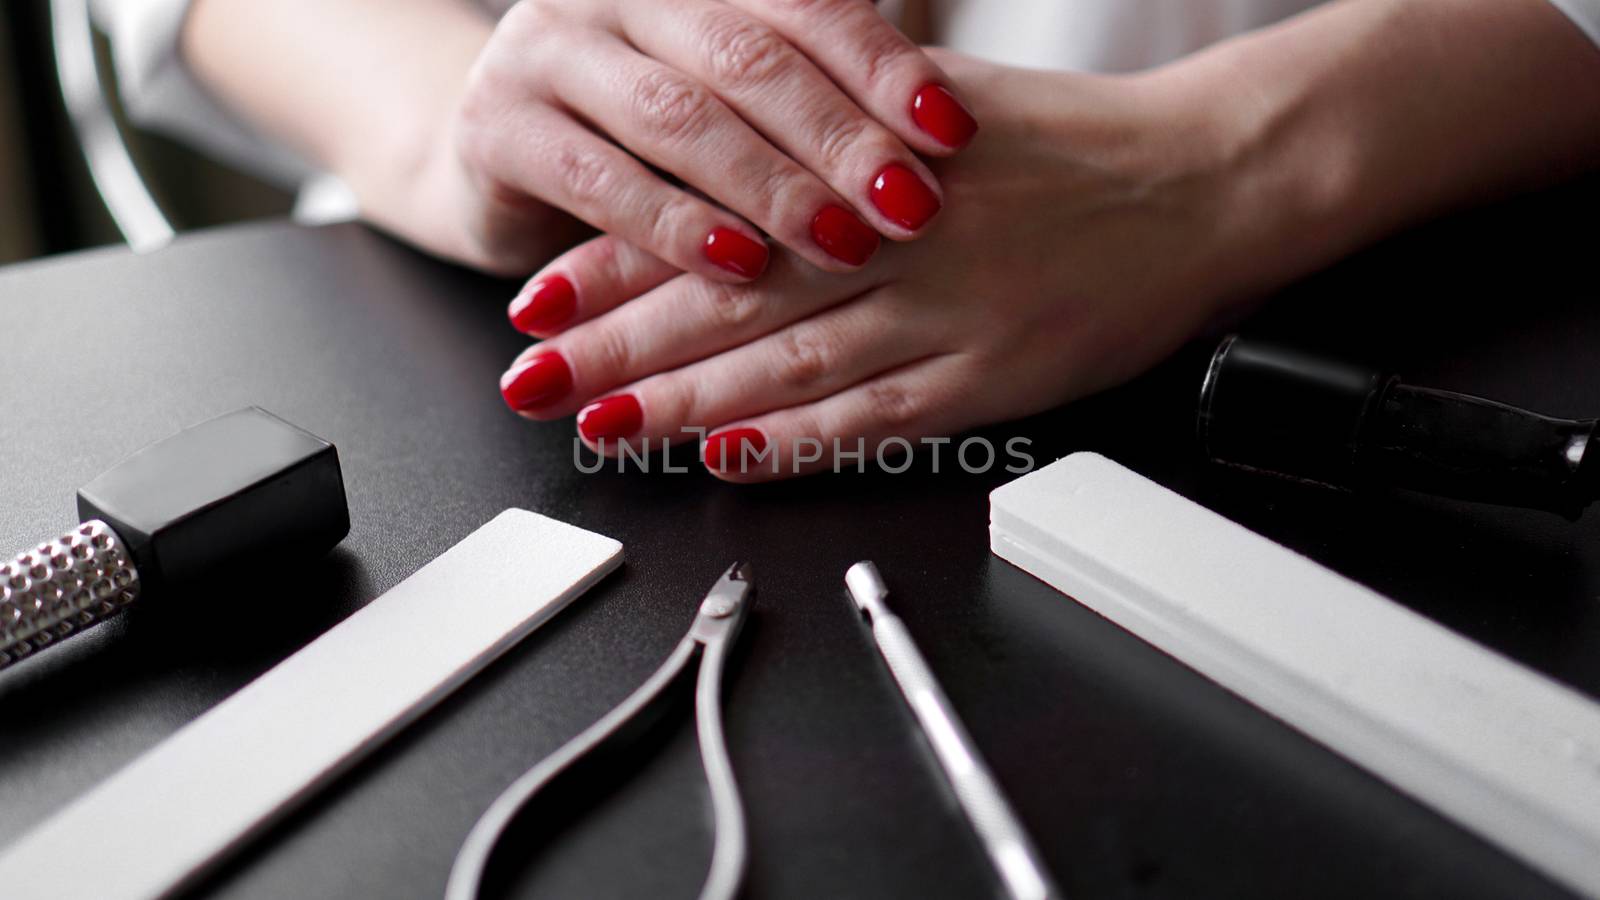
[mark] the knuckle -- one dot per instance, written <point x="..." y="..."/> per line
<point x="839" y="138"/>
<point x="684" y="400"/>
<point x="774" y="192"/>
<point x="807" y="355"/>
<point x="633" y="264"/>
<point x="582" y="174"/>
<point x="670" y="106"/>
<point x="601" y="262"/>
<point x="881" y="51"/>
<point x="803" y="7"/>
<point x="608" y="351"/>
<point x="740" y="50"/>
<point x="731" y="307"/>
<point x="894" y="406"/>
<point x="676" y="223"/>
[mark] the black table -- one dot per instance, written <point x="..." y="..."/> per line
<point x="1136" y="776"/>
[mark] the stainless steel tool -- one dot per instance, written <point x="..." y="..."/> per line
<point x="240" y="491"/>
<point x="714" y="630"/>
<point x="1022" y="873"/>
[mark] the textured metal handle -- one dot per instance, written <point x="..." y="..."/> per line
<point x="59" y="588"/>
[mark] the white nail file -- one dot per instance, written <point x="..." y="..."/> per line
<point x="161" y="822"/>
<point x="1503" y="751"/>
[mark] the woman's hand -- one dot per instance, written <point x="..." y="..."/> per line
<point x="800" y="120"/>
<point x="1098" y="223"/>
<point x="1076" y="250"/>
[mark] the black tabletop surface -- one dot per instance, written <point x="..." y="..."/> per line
<point x="1135" y="776"/>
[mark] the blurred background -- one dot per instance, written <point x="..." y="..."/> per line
<point x="48" y="201"/>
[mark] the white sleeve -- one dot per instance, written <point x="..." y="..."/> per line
<point x="161" y="94"/>
<point x="1583" y="13"/>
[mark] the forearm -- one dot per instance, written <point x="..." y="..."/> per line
<point x="1357" y="119"/>
<point x="363" y="88"/>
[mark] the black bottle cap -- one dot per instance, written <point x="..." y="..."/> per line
<point x="1273" y="408"/>
<point x="244" y="489"/>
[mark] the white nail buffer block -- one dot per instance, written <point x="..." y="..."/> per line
<point x="1505" y="752"/>
<point x="158" y="824"/>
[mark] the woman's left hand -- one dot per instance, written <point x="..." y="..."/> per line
<point x="1092" y="228"/>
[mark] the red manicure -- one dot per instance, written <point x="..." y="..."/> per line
<point x="844" y="236"/>
<point x="901" y="196"/>
<point x="735" y="449"/>
<point x="547" y="304"/>
<point x="939" y="113"/>
<point x="538" y="382"/>
<point x="611" y="419"/>
<point x="736" y="253"/>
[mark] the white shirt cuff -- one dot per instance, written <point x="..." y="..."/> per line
<point x="160" y="93"/>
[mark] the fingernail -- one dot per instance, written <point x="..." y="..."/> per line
<point x="738" y="254"/>
<point x="843" y="235"/>
<point x="735" y="448"/>
<point x="547" y="304"/>
<point x="539" y="382"/>
<point x="611" y="419"/>
<point x="901" y="196"/>
<point x="940" y="114"/>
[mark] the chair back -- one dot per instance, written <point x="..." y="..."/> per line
<point x="116" y="176"/>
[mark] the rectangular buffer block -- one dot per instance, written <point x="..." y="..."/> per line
<point x="1500" y="749"/>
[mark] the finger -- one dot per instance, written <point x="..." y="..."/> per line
<point x="675" y="122"/>
<point x="543" y="153"/>
<point x="881" y="69"/>
<point x="584" y="282"/>
<point x="775" y="88"/>
<point x="683" y="321"/>
<point x="869" y="424"/>
<point x="805" y="361"/>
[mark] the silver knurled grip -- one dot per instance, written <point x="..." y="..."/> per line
<point x="61" y="587"/>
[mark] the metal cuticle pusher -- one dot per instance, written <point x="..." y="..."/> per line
<point x="1021" y="872"/>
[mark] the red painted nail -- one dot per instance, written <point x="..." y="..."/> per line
<point x="939" y="113"/>
<point x="736" y="253"/>
<point x="611" y="419"/>
<point x="736" y="449"/>
<point x="844" y="236"/>
<point x="547" y="304"/>
<point x="536" y="383"/>
<point x="900" y="194"/>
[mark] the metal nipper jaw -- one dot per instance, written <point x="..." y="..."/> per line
<point x="715" y="627"/>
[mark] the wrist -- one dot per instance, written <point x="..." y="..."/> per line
<point x="1345" y="124"/>
<point x="398" y="161"/>
<point x="410" y="179"/>
<point x="1282" y="189"/>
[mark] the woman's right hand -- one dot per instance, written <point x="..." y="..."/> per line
<point x="800" y="119"/>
